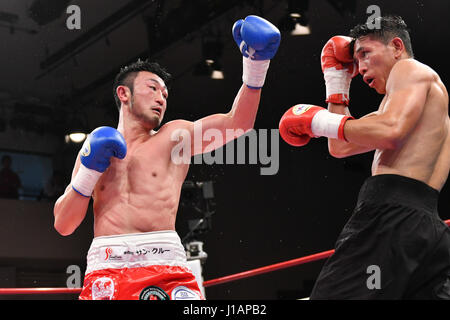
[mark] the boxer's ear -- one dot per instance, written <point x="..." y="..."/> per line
<point x="398" y="46"/>
<point x="123" y="93"/>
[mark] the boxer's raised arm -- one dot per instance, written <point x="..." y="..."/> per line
<point x="239" y="120"/>
<point x="214" y="131"/>
<point x="339" y="68"/>
<point x="258" y="40"/>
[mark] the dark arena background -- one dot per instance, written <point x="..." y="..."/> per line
<point x="56" y="77"/>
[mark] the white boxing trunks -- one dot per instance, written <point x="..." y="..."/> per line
<point x="141" y="266"/>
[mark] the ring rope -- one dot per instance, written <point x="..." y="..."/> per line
<point x="14" y="291"/>
<point x="270" y="268"/>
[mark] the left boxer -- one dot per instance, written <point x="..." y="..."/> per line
<point x="136" y="252"/>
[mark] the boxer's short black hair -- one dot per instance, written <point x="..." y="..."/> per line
<point x="389" y="28"/>
<point x="128" y="73"/>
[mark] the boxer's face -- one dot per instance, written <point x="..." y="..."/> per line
<point x="149" y="99"/>
<point x="375" y="61"/>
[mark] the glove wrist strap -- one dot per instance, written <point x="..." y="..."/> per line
<point x="337" y="83"/>
<point x="254" y="72"/>
<point x="328" y="124"/>
<point x="85" y="181"/>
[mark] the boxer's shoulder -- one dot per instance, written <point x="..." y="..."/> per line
<point x="175" y="128"/>
<point x="170" y="132"/>
<point x="408" y="72"/>
<point x="176" y="124"/>
<point x="413" y="70"/>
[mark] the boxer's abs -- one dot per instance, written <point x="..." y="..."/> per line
<point x="135" y="198"/>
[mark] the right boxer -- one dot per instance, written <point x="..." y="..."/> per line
<point x="395" y="228"/>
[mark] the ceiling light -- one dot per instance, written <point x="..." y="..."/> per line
<point x="76" y="137"/>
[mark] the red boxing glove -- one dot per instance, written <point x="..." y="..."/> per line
<point x="304" y="121"/>
<point x="338" y="69"/>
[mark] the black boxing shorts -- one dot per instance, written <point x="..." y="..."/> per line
<point x="394" y="246"/>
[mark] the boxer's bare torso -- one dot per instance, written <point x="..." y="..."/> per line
<point x="410" y="131"/>
<point x="424" y="154"/>
<point x="141" y="192"/>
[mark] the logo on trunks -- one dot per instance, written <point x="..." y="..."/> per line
<point x="103" y="289"/>
<point x="109" y="255"/>
<point x="153" y="293"/>
<point x="183" y="293"/>
<point x="143" y="251"/>
<point x="301" y="108"/>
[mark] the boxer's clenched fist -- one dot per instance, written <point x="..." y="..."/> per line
<point x="258" y="41"/>
<point x="102" y="144"/>
<point x="304" y="121"/>
<point x="338" y="69"/>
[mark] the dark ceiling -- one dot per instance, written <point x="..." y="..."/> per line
<point x="50" y="69"/>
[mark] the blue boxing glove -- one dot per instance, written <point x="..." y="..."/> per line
<point x="258" y="40"/>
<point x="102" y="144"/>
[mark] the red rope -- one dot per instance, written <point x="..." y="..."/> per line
<point x="13" y="291"/>
<point x="270" y="268"/>
<point x="209" y="283"/>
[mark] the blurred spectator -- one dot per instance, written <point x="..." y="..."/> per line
<point x="9" y="180"/>
<point x="54" y="187"/>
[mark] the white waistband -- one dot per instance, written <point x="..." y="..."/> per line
<point x="136" y="250"/>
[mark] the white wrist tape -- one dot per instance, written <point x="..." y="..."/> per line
<point x="337" y="81"/>
<point x="254" y="72"/>
<point x="327" y="124"/>
<point x="85" y="181"/>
